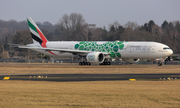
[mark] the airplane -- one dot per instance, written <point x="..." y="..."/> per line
<point x="96" y="52"/>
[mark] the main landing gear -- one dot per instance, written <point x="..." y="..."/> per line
<point x="84" y="63"/>
<point x="105" y="63"/>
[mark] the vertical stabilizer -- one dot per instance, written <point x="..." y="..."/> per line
<point x="37" y="35"/>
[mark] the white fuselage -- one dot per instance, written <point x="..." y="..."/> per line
<point x="134" y="50"/>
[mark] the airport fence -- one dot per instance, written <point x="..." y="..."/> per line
<point x="22" y="60"/>
<point x="172" y="63"/>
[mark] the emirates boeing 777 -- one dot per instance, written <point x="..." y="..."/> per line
<point x="101" y="52"/>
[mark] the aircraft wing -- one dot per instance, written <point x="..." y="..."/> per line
<point x="60" y="50"/>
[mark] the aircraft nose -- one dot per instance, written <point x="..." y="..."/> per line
<point x="170" y="52"/>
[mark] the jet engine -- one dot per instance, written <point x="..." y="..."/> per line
<point x="95" y="57"/>
<point x="131" y="60"/>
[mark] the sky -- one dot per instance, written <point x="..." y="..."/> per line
<point x="99" y="12"/>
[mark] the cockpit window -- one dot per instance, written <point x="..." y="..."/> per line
<point x="165" y="48"/>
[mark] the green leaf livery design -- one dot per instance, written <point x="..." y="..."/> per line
<point x="110" y="47"/>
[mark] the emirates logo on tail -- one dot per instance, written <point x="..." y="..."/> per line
<point x="37" y="35"/>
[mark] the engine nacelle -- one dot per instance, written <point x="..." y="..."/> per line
<point x="131" y="60"/>
<point x="95" y="57"/>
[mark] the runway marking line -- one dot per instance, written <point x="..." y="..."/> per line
<point x="6" y="78"/>
<point x="132" y="79"/>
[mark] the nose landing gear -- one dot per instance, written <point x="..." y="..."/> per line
<point x="159" y="63"/>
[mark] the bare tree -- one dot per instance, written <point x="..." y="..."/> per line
<point x="71" y="26"/>
<point x="132" y="25"/>
<point x="90" y="32"/>
<point x="115" y="25"/>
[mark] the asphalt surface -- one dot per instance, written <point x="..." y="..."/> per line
<point x="91" y="77"/>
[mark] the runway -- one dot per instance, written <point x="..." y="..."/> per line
<point x="91" y="77"/>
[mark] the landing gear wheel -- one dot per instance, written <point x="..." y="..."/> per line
<point x="89" y="63"/>
<point x="81" y="63"/>
<point x="105" y="63"/>
<point x="84" y="63"/>
<point x="108" y="63"/>
<point x="159" y="63"/>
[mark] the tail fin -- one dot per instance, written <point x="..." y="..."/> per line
<point x="37" y="35"/>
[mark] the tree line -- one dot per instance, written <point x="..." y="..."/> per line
<point x="73" y="27"/>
